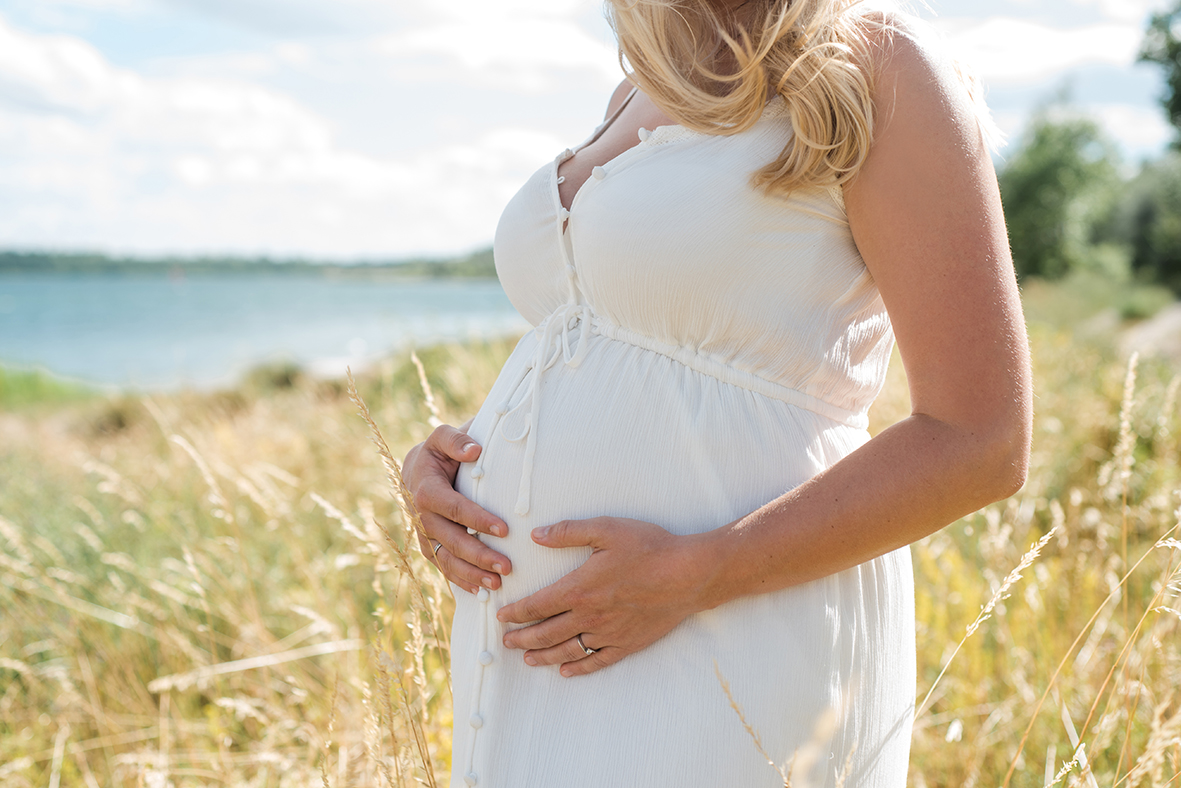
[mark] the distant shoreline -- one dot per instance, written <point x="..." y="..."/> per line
<point x="477" y="265"/>
<point x="161" y="328"/>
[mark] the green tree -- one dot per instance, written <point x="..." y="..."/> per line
<point x="1055" y="189"/>
<point x="1148" y="220"/>
<point x="1162" y="46"/>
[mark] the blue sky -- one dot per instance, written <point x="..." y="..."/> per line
<point x="371" y="129"/>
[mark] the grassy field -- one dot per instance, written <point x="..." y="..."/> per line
<point x="214" y="589"/>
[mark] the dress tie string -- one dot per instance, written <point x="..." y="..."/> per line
<point x="555" y="332"/>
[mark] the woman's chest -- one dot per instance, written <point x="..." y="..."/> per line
<point x="630" y="129"/>
<point x="672" y="229"/>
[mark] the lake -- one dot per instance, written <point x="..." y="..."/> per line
<point x="160" y="331"/>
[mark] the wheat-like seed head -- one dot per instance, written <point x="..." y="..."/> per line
<point x="435" y="419"/>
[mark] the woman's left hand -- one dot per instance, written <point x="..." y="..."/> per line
<point x="639" y="583"/>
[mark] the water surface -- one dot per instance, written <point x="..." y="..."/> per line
<point x="156" y="331"/>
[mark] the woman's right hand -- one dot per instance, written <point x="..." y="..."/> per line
<point x="429" y="472"/>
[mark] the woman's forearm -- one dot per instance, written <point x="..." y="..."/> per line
<point x="906" y="483"/>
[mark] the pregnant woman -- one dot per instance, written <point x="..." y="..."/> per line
<point x="672" y="477"/>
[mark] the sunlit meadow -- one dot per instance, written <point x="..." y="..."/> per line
<point x="217" y="589"/>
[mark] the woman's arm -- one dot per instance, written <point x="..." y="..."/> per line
<point x="926" y="215"/>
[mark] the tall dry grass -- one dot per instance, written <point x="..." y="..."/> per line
<point x="1062" y="660"/>
<point x="214" y="590"/>
<point x="200" y="590"/>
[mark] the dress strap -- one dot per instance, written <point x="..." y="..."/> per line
<point x="598" y="132"/>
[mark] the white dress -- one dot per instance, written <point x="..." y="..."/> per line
<point x="700" y="348"/>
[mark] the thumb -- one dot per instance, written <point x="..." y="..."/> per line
<point x="571" y="533"/>
<point x="454" y="444"/>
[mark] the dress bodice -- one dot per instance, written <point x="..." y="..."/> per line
<point x="669" y="245"/>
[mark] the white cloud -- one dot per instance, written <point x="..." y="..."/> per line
<point x="103" y="5"/>
<point x="1007" y="50"/>
<point x="527" y="54"/>
<point x="472" y="11"/>
<point x="1124" y="10"/>
<point x="59" y="72"/>
<point x="240" y="148"/>
<point x="97" y="155"/>
<point x="293" y="17"/>
<point x="1141" y="131"/>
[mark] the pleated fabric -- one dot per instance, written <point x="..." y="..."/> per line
<point x="699" y="349"/>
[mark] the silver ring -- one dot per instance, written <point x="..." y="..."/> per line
<point x="583" y="646"/>
<point x="436" y="551"/>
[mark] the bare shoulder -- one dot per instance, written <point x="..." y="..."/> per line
<point x="919" y="86"/>
<point x="929" y="143"/>
<point x="617" y="97"/>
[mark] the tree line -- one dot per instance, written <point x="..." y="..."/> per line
<point x="1069" y="206"/>
<point x="477" y="265"/>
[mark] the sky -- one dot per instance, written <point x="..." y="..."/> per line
<point x="363" y="130"/>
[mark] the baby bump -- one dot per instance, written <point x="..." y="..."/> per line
<point x="631" y="433"/>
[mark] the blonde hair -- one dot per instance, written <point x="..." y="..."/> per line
<point x="813" y="53"/>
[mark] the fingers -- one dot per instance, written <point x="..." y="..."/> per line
<point x="566" y="651"/>
<point x="544" y="634"/>
<point x="436" y="495"/>
<point x="545" y="604"/>
<point x="470" y="549"/>
<point x="447" y="515"/>
<point x="596" y="661"/>
<point x="555" y="642"/>
<point x="573" y="658"/>
<point x="452" y="443"/>
<point x="449" y="518"/>
<point x="572" y="533"/>
<point x="464" y="574"/>
<point x="426" y="546"/>
<point x="464" y="559"/>
<point x="457" y="571"/>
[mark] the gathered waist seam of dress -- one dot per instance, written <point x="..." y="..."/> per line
<point x="577" y="319"/>
<point x="728" y="374"/>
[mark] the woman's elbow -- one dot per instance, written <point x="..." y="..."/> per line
<point x="1015" y="473"/>
<point x="1006" y="460"/>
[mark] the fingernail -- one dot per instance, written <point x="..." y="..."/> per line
<point x="567" y="672"/>
<point x="497" y="530"/>
<point x="498" y="569"/>
<point x="529" y="660"/>
<point x="467" y="447"/>
<point x="541" y="533"/>
<point x="486" y="582"/>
